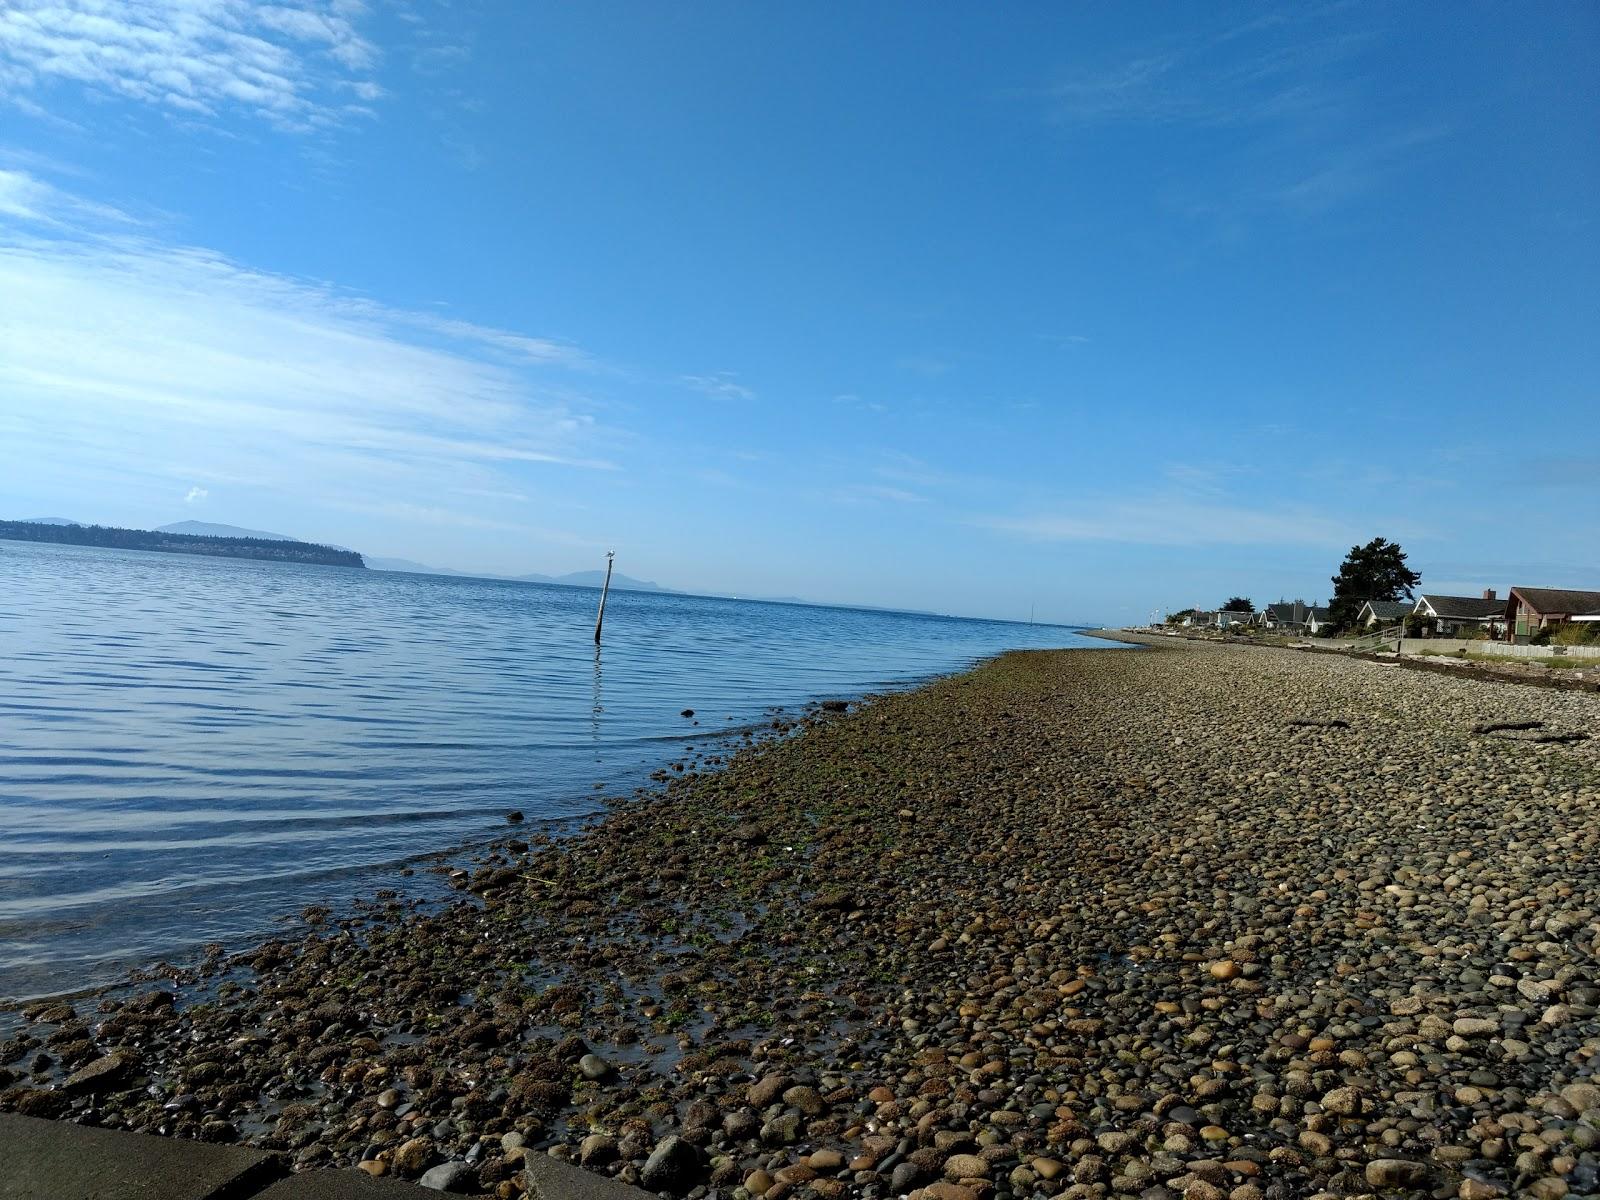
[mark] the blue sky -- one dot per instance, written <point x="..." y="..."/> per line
<point x="1079" y="309"/>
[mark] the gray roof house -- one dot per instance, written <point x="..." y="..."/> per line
<point x="1450" y="614"/>
<point x="1383" y="612"/>
<point x="1289" y="614"/>
<point x="1317" y="618"/>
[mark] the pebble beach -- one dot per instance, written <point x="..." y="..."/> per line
<point x="1191" y="920"/>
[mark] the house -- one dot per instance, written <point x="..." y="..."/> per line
<point x="1450" y="615"/>
<point x="1287" y="615"/>
<point x="1530" y="610"/>
<point x="1375" y="613"/>
<point x="1318" y="619"/>
<point x="1200" y="618"/>
<point x="1227" y="619"/>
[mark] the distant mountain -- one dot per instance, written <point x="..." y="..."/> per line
<point x="593" y="579"/>
<point x="619" y="581"/>
<point x="49" y="521"/>
<point x="208" y="529"/>
<point x="408" y="567"/>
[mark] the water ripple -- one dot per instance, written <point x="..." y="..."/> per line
<point x="191" y="748"/>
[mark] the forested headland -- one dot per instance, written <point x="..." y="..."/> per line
<point x="179" y="543"/>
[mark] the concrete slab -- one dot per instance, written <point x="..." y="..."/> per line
<point x="551" y="1179"/>
<point x="54" y="1160"/>
<point x="333" y="1184"/>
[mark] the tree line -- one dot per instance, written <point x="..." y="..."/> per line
<point x="1376" y="571"/>
<point x="179" y="543"/>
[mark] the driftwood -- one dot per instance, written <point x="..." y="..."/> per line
<point x="1552" y="738"/>
<point x="1319" y="723"/>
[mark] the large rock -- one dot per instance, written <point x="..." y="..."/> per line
<point x="766" y="1090"/>
<point x="1582" y="1096"/>
<point x="965" y="1166"/>
<point x="450" y="1177"/>
<point x="102" y="1074"/>
<point x="592" y="1066"/>
<point x="1342" y="1102"/>
<point x="412" y="1156"/>
<point x="673" y="1166"/>
<point x="1396" y="1173"/>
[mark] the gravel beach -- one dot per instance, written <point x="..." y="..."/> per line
<point x="1195" y="920"/>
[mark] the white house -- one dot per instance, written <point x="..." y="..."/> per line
<point x="1383" y="612"/>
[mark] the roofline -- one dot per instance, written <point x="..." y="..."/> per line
<point x="1517" y="593"/>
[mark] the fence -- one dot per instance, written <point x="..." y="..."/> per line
<point x="1457" y="646"/>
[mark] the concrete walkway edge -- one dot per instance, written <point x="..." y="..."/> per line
<point x="57" y="1160"/>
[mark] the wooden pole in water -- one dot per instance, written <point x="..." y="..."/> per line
<point x="601" y="616"/>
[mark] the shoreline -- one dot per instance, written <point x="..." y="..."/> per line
<point x="705" y="749"/>
<point x="375" y="740"/>
<point x="1583" y="677"/>
<point x="1005" y="933"/>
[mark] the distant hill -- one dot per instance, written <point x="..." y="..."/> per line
<point x="619" y="581"/>
<point x="271" y="549"/>
<point x="408" y="567"/>
<point x="49" y="521"/>
<point x="207" y="529"/>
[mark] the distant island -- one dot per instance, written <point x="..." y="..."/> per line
<point x="589" y="579"/>
<point x="235" y="541"/>
<point x="272" y="549"/>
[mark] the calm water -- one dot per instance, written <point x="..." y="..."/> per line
<point x="192" y="748"/>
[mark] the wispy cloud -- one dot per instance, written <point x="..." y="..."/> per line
<point x="115" y="349"/>
<point x="300" y="65"/>
<point x="857" y="401"/>
<point x="1178" y="521"/>
<point x="1350" y="171"/>
<point x="900" y="467"/>
<point x="923" y="364"/>
<point x="857" y="493"/>
<point x="1288" y="90"/>
<point x="723" y="385"/>
<point x="1245" y="73"/>
<point x="195" y="495"/>
<point x="1560" y="471"/>
<point x="26" y="197"/>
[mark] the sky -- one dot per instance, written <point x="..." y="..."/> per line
<point x="1077" y="311"/>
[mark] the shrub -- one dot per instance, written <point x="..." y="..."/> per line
<point x="1575" y="633"/>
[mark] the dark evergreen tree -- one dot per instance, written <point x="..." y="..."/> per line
<point x="1238" y="604"/>
<point x="1376" y="571"/>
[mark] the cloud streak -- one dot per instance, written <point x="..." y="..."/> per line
<point x="1177" y="521"/>
<point x="25" y="197"/>
<point x="300" y="66"/>
<point x="1192" y="83"/>
<point x="721" y="385"/>
<point x="117" y="350"/>
<point x="857" y="493"/>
